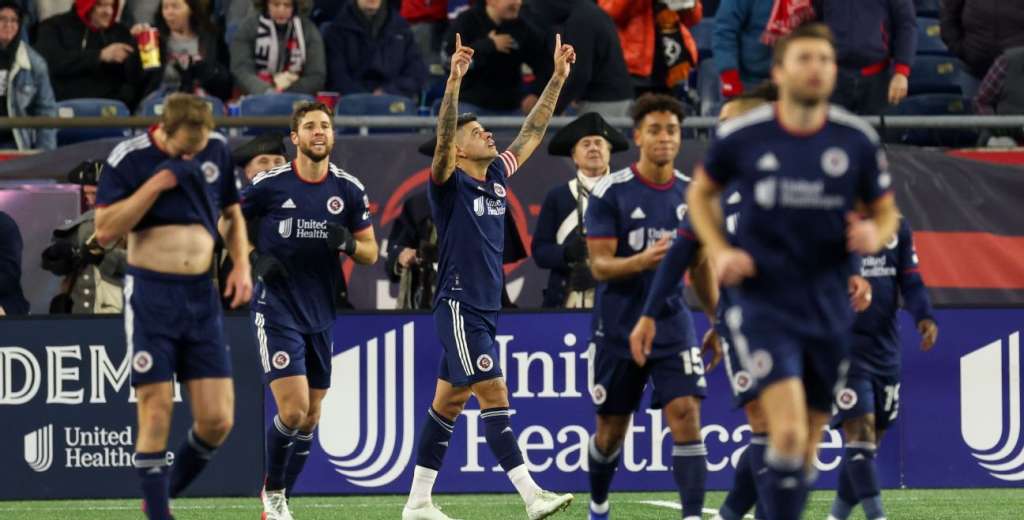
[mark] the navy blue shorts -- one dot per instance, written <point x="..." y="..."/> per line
<point x="174" y="326"/>
<point x="741" y="381"/>
<point x="468" y="338"/>
<point x="619" y="382"/>
<point x="287" y="352"/>
<point x="866" y="394"/>
<point x="771" y="353"/>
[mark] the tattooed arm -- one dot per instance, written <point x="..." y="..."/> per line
<point x="444" y="152"/>
<point x="532" y="133"/>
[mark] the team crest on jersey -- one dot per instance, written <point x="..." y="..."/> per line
<point x="742" y="381"/>
<point x="281" y="360"/>
<point x="681" y="211"/>
<point x="761" y="364"/>
<point x="835" y="162"/>
<point x="210" y="171"/>
<point x="284" y="228"/>
<point x="499" y="190"/>
<point x="598" y="394"/>
<point x="484" y="363"/>
<point x="846" y="399"/>
<point x="335" y="205"/>
<point x="142" y="362"/>
<point x="478" y="206"/>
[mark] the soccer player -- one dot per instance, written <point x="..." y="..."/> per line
<point x="467" y="200"/>
<point x="800" y="167"/>
<point x="164" y="190"/>
<point x="307" y="213"/>
<point x="870" y="402"/>
<point x="632" y="217"/>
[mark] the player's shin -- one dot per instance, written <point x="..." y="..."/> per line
<point x="434" y="438"/>
<point x="743" y="494"/>
<point x="602" y="470"/>
<point x="279" y="442"/>
<point x="153" y="469"/>
<point x="297" y="457"/>
<point x="689" y="468"/>
<point x="504" y="444"/>
<point x="860" y="467"/>
<point x="190" y="460"/>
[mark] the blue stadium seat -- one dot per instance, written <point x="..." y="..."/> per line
<point x="928" y="39"/>
<point x="155" y="106"/>
<point x="702" y="36"/>
<point x="932" y="105"/>
<point x="936" y="75"/>
<point x="90" y="107"/>
<point x="926" y="7"/>
<point x="270" y="105"/>
<point x="371" y="105"/>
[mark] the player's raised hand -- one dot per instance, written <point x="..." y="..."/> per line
<point x="929" y="333"/>
<point x="461" y="59"/>
<point x="565" y="56"/>
<point x="732" y="265"/>
<point x="860" y="293"/>
<point x="711" y="343"/>
<point x="650" y="257"/>
<point x="861" y="235"/>
<point x="641" y="339"/>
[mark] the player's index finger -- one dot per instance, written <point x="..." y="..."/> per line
<point x="458" y="41"/>
<point x="558" y="41"/>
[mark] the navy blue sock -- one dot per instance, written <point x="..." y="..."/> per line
<point x="602" y="470"/>
<point x="743" y="494"/>
<point x="846" y="497"/>
<point x="689" y="467"/>
<point x="500" y="437"/>
<point x="786" y="481"/>
<point x="296" y="460"/>
<point x="154" y="473"/>
<point x="434" y="438"/>
<point x="189" y="461"/>
<point x="279" y="441"/>
<point x="860" y="466"/>
<point x="758" y="443"/>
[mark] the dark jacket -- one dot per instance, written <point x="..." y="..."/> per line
<point x="359" y="63"/>
<point x="494" y="80"/>
<point x="212" y="73"/>
<point x="870" y="32"/>
<point x="12" y="299"/>
<point x="600" y="72"/>
<point x="549" y="247"/>
<point x="977" y="31"/>
<point x="72" y="52"/>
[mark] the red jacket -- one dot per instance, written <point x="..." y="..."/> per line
<point x="424" y="10"/>
<point x="635" y="22"/>
<point x="83" y="7"/>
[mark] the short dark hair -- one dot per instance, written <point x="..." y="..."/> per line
<point x="648" y="103"/>
<point x="311" y="106"/>
<point x="464" y="119"/>
<point x="813" y="31"/>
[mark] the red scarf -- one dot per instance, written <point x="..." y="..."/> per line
<point x="786" y="16"/>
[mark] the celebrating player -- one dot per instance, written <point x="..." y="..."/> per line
<point x="800" y="168"/>
<point x="164" y="190"/>
<point x="870" y="402"/>
<point x="467" y="200"/>
<point x="632" y="217"/>
<point x="308" y="213"/>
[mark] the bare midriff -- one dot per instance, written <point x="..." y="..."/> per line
<point x="173" y="249"/>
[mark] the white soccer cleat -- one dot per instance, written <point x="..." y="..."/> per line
<point x="275" y="505"/>
<point x="426" y="512"/>
<point x="547" y="503"/>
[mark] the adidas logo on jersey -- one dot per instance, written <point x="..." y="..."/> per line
<point x="288" y="204"/>
<point x="638" y="214"/>
<point x="768" y="162"/>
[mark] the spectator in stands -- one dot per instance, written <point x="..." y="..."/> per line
<point x="278" y="49"/>
<point x="600" y="80"/>
<point x="1002" y="89"/>
<point x="24" y="84"/>
<point x="259" y="154"/>
<point x="89" y="54"/>
<point x="977" y="31"/>
<point x="372" y="51"/>
<point x="428" y="20"/>
<point x="502" y="42"/>
<point x="12" y="299"/>
<point x="193" y="56"/>
<point x="875" y="46"/>
<point x="742" y="59"/>
<point x="656" y="41"/>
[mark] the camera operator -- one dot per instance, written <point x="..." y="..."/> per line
<point x="93" y="276"/>
<point x="559" y="241"/>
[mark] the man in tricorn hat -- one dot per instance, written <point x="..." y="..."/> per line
<point x="558" y="242"/>
<point x="263" y="152"/>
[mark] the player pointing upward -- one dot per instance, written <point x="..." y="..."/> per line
<point x="467" y="200"/>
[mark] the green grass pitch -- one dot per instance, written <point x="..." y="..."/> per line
<point x="940" y="504"/>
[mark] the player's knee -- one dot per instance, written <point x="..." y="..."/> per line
<point x="312" y="419"/>
<point x="492" y="393"/>
<point x="789" y="439"/>
<point x="215" y="427"/>
<point x="611" y="432"/>
<point x="684" y="419"/>
<point x="292" y="416"/>
<point x="860" y="429"/>
<point x="755" y="417"/>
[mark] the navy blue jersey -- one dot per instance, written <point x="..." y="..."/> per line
<point x="470" y="219"/>
<point x="196" y="201"/>
<point x="796" y="190"/>
<point x="892" y="272"/>
<point x="291" y="216"/>
<point x="636" y="213"/>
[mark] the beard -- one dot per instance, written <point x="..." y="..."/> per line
<point x="315" y="157"/>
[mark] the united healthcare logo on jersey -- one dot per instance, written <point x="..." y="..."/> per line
<point x="987" y="387"/>
<point x="371" y="447"/>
